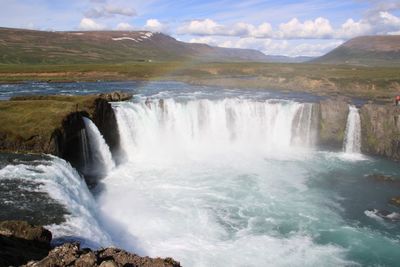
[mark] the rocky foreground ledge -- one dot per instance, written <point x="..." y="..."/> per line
<point x="22" y="244"/>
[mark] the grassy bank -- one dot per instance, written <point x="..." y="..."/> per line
<point x="25" y="119"/>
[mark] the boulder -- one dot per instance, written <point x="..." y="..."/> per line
<point x="24" y="230"/>
<point x="70" y="254"/>
<point x="123" y="258"/>
<point x="21" y="242"/>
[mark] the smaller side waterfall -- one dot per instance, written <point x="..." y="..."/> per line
<point x="352" y="140"/>
<point x="85" y="149"/>
<point x="101" y="158"/>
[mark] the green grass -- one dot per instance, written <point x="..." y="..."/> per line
<point x="25" y="118"/>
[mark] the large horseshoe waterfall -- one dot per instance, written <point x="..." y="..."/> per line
<point x="204" y="127"/>
<point x="216" y="177"/>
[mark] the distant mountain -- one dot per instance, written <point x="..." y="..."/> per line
<point x="38" y="47"/>
<point x="366" y="50"/>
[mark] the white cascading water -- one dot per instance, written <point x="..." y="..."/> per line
<point x="304" y="129"/>
<point x="100" y="152"/>
<point x="85" y="149"/>
<point x="352" y="140"/>
<point x="64" y="184"/>
<point x="205" y="126"/>
<point x="217" y="183"/>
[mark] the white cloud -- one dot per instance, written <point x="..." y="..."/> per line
<point x="202" y="27"/>
<point x="208" y="27"/>
<point x="155" y="25"/>
<point x="320" y="28"/>
<point x="353" y="28"/>
<point x="381" y="22"/>
<point x="123" y="26"/>
<point x="87" y="24"/>
<point x="313" y="50"/>
<point x="271" y="46"/>
<point x="109" y="11"/>
<point x="389" y="19"/>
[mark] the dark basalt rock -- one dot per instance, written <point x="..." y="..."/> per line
<point x="332" y="123"/>
<point x="70" y="254"/>
<point x="115" y="96"/>
<point x="67" y="140"/>
<point x="380" y="130"/>
<point x="22" y="244"/>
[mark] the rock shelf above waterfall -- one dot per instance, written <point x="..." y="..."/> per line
<point x="53" y="124"/>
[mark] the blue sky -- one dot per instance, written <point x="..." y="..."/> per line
<point x="293" y="28"/>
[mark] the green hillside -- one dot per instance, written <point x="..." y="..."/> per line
<point x="366" y="51"/>
<point x="42" y="47"/>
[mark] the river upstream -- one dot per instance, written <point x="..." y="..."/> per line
<point x="213" y="177"/>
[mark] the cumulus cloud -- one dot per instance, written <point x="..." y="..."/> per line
<point x="88" y="24"/>
<point x="155" y="25"/>
<point x="210" y="27"/>
<point x="271" y="46"/>
<point x="202" y="27"/>
<point x="319" y="28"/>
<point x="389" y="19"/>
<point x="353" y="28"/>
<point x="123" y="26"/>
<point x="380" y="22"/>
<point x="109" y="11"/>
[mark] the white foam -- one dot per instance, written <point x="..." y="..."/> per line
<point x="63" y="183"/>
<point x="102" y="159"/>
<point x="217" y="183"/>
<point x="200" y="127"/>
<point x="352" y="141"/>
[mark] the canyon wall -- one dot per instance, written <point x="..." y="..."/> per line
<point x="380" y="130"/>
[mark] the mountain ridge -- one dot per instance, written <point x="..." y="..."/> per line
<point x="377" y="50"/>
<point x="35" y="47"/>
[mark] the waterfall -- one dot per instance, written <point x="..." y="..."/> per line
<point x="202" y="126"/>
<point x="352" y="140"/>
<point x="62" y="183"/>
<point x="85" y="149"/>
<point x="102" y="161"/>
<point x="305" y="126"/>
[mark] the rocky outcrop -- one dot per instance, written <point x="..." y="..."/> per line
<point x="67" y="141"/>
<point x="71" y="255"/>
<point x="380" y="130"/>
<point x="28" y="245"/>
<point x="332" y="122"/>
<point x="21" y="242"/>
<point x="115" y="96"/>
